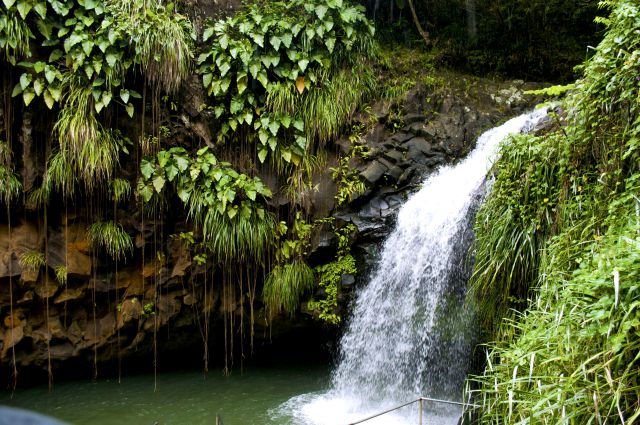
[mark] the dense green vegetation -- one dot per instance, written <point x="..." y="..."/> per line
<point x="282" y="81"/>
<point x="559" y="240"/>
<point x="533" y="40"/>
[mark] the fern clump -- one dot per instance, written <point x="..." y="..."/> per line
<point x="285" y="285"/>
<point x="110" y="236"/>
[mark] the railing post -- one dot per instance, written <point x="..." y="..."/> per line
<point x="420" y="409"/>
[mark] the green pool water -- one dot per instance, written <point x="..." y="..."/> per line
<point x="187" y="398"/>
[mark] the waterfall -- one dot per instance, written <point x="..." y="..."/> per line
<point x="410" y="334"/>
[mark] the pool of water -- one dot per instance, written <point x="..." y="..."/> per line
<point x="187" y="398"/>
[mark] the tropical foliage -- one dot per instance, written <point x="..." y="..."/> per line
<point x="112" y="237"/>
<point x="78" y="57"/>
<point x="330" y="277"/>
<point x="572" y="355"/>
<point x="514" y="222"/>
<point x="291" y="277"/>
<point x="11" y="186"/>
<point x="228" y="205"/>
<point x="282" y="72"/>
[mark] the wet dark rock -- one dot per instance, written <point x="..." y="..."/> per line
<point x="347" y="280"/>
<point x="417" y="128"/>
<point x="413" y="118"/>
<point x="70" y="248"/>
<point x="102" y="284"/>
<point x="374" y="172"/>
<point x="435" y="160"/>
<point x="401" y="137"/>
<point x="62" y="351"/>
<point x="69" y="294"/>
<point x="30" y="170"/>
<point x="394" y="156"/>
<point x="419" y="145"/>
<point x="46" y="288"/>
<point x="406" y="176"/>
<point x="440" y="126"/>
<point x="381" y="110"/>
<point x="24" y="238"/>
<point x="394" y="172"/>
<point x="386" y="163"/>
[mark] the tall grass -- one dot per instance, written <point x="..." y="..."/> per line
<point x="328" y="108"/>
<point x="10" y="185"/>
<point x="514" y="223"/>
<point x="239" y="238"/>
<point x="160" y="39"/>
<point x="285" y="286"/>
<point x="573" y="355"/>
<point x="120" y="189"/>
<point x="90" y="148"/>
<point x="15" y="35"/>
<point x="112" y="237"/>
<point x="61" y="173"/>
<point x="32" y="260"/>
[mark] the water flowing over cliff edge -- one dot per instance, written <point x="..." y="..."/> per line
<point x="410" y="333"/>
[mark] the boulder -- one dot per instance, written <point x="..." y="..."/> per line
<point x="75" y="332"/>
<point x="401" y="137"/>
<point x="381" y="110"/>
<point x="29" y="275"/>
<point x="347" y="280"/>
<point x="129" y="309"/>
<point x="131" y="279"/>
<point x="413" y="118"/>
<point x="15" y="320"/>
<point x="24" y="238"/>
<point x="26" y="297"/>
<point x="168" y="307"/>
<point x="97" y="332"/>
<point x="50" y="330"/>
<point x="394" y="172"/>
<point x="374" y="171"/>
<point x="182" y="263"/>
<point x="46" y="287"/>
<point x="30" y="153"/>
<point x="418" y="147"/>
<point x="62" y="351"/>
<point x="189" y="299"/>
<point x="417" y="128"/>
<point x="11" y="337"/>
<point x="69" y="294"/>
<point x="69" y="247"/>
<point x="101" y="283"/>
<point x="394" y="156"/>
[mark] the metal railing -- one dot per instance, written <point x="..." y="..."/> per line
<point x="420" y="401"/>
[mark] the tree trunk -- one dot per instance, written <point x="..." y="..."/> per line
<point x="472" y="28"/>
<point x="423" y="33"/>
<point x="376" y="6"/>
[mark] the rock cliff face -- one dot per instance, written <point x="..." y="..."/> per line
<point x="430" y="129"/>
<point x="96" y="314"/>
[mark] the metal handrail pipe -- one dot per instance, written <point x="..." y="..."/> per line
<point x="458" y="403"/>
<point x="420" y="399"/>
<point x="385" y="412"/>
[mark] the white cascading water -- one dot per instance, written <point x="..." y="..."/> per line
<point x="410" y="334"/>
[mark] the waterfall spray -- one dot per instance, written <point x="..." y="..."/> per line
<point x="410" y="333"/>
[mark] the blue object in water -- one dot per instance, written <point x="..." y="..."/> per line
<point x="14" y="416"/>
